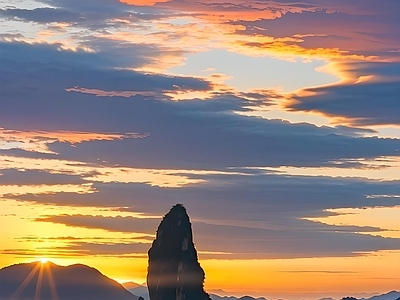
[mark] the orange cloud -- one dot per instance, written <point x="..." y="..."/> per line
<point x="38" y="141"/>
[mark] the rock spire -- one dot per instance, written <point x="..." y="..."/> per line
<point x="174" y="272"/>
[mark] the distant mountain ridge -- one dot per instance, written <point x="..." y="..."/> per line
<point x="392" y="295"/>
<point x="216" y="297"/>
<point x="47" y="281"/>
<point x="141" y="290"/>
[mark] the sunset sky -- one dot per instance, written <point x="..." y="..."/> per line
<point x="275" y="123"/>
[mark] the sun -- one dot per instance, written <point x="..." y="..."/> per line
<point x="43" y="260"/>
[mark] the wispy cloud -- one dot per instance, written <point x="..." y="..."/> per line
<point x="38" y="141"/>
<point x="370" y="97"/>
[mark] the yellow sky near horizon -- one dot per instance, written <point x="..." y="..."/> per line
<point x="273" y="278"/>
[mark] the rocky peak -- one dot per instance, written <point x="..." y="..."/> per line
<point x="174" y="272"/>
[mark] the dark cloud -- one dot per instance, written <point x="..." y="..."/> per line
<point x="31" y="177"/>
<point x="47" y="57"/>
<point x="265" y="198"/>
<point x="42" y="15"/>
<point x="93" y="15"/>
<point x="94" y="26"/>
<point x="74" y="247"/>
<point x="131" y="55"/>
<point x="108" y="249"/>
<point x="371" y="102"/>
<point x="41" y="61"/>
<point x="93" y="239"/>
<point x="347" y="31"/>
<point x="137" y="225"/>
<point x="244" y="241"/>
<point x="195" y="139"/>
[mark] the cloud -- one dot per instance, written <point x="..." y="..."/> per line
<point x="102" y="93"/>
<point x="42" y="15"/>
<point x="36" y="177"/>
<point x="94" y="52"/>
<point x="136" y="225"/>
<point x="103" y="173"/>
<point x="344" y="29"/>
<point x="38" y="141"/>
<point x="15" y="190"/>
<point x="79" y="249"/>
<point x="113" y="71"/>
<point x="230" y="10"/>
<point x="185" y="139"/>
<point x="373" y="101"/>
<point x="119" y="250"/>
<point x="108" y="26"/>
<point x="349" y="32"/>
<point x="268" y="197"/>
<point x="60" y="246"/>
<point x="234" y="242"/>
<point x="383" y="168"/>
<point x="90" y="14"/>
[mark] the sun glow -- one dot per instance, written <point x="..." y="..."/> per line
<point x="43" y="260"/>
<point x="44" y="270"/>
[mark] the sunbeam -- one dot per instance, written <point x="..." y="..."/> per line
<point x="25" y="283"/>
<point x="50" y="278"/>
<point x="39" y="283"/>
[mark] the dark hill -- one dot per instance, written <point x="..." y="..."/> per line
<point x="48" y="281"/>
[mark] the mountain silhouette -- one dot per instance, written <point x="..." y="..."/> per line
<point x="141" y="290"/>
<point x="48" y="281"/>
<point x="392" y="295"/>
<point x="137" y="289"/>
<point x="174" y="272"/>
<point x="216" y="297"/>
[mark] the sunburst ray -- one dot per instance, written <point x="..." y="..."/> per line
<point x="50" y="278"/>
<point x="39" y="282"/>
<point x="25" y="283"/>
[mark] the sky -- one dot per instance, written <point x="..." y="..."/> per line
<point x="275" y="123"/>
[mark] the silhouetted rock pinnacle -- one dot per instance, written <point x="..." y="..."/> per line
<point x="174" y="272"/>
